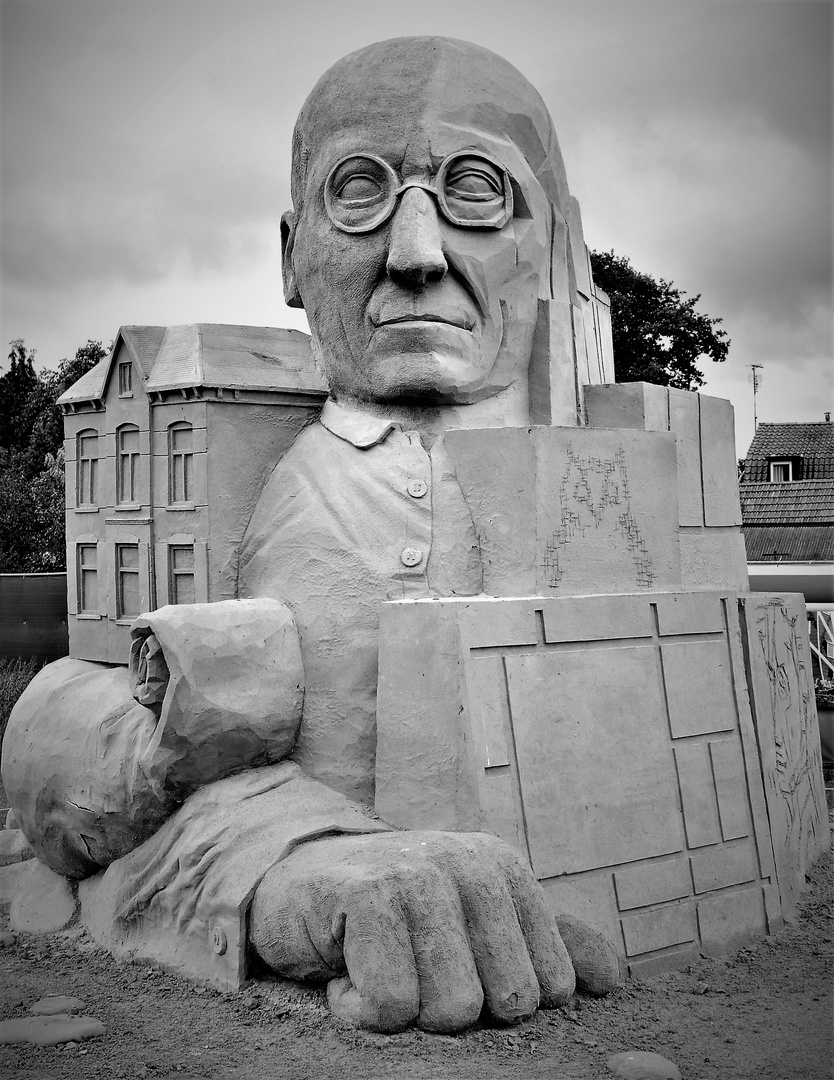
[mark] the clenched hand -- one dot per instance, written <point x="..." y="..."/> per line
<point x="421" y="927"/>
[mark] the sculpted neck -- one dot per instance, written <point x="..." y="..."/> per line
<point x="508" y="408"/>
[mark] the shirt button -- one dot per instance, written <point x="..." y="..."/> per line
<point x="417" y="489"/>
<point x="411" y="556"/>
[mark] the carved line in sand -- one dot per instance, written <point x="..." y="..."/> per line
<point x="580" y="511"/>
<point x="782" y="653"/>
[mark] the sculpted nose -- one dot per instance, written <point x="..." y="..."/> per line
<point x="415" y="252"/>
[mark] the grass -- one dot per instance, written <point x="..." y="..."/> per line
<point x="15" y="676"/>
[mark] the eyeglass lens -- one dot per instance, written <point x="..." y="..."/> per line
<point x="361" y="192"/>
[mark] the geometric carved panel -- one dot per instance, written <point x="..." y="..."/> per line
<point x="607" y="738"/>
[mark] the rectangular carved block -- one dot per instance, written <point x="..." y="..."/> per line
<point x="595" y="618"/>
<point x="718" y="457"/>
<point x="652" y="883"/>
<point x="700" y="811"/>
<point x="727" y="920"/>
<point x="685" y="421"/>
<point x="575" y="739"/>
<point x="488" y="701"/>
<point x="577" y="512"/>
<point x="720" y="867"/>
<point x="689" y="613"/>
<point x="659" y="928"/>
<point x="730" y="788"/>
<point x="698" y="705"/>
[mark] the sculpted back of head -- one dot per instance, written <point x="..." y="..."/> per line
<point x="426" y="177"/>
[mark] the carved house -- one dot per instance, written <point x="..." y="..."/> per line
<point x="168" y="442"/>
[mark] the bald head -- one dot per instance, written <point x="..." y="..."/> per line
<point x="458" y="89"/>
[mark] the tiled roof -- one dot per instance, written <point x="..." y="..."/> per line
<point x="802" y="502"/>
<point x="814" y="443"/>
<point x="789" y="543"/>
<point x="210" y="354"/>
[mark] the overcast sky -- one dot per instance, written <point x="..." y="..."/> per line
<point x="145" y="159"/>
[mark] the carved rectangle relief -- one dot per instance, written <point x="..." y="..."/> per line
<point x="488" y="702"/>
<point x="689" y="613"/>
<point x="684" y="421"/>
<point x="698" y="687"/>
<point x="591" y="750"/>
<point x="719" y="463"/>
<point x="659" y="928"/>
<point x="596" y="618"/>
<point x="727" y="920"/>
<point x="488" y="624"/>
<point x="652" y="883"/>
<point x="730" y="788"/>
<point x="700" y="811"/>
<point x="722" y="866"/>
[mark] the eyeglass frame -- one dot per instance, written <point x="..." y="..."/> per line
<point x="435" y="188"/>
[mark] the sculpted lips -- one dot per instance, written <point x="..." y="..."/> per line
<point x="453" y="318"/>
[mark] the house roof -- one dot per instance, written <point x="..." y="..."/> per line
<point x="789" y="543"/>
<point x="209" y="354"/>
<point x="802" y="502"/>
<point x="814" y="443"/>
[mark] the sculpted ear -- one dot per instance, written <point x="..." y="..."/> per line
<point x="292" y="298"/>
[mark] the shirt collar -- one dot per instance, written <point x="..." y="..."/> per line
<point x="356" y="426"/>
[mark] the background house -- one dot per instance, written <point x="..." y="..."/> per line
<point x="787" y="507"/>
<point x="168" y="443"/>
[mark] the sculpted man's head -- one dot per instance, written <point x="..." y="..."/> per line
<point x="425" y="175"/>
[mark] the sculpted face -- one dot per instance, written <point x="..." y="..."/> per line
<point x="420" y="244"/>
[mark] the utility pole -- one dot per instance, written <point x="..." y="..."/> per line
<point x="755" y="368"/>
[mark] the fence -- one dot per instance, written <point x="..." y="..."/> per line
<point x="33" y="615"/>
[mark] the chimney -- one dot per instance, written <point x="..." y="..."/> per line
<point x="828" y="418"/>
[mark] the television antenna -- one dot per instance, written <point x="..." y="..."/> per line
<point x="757" y="380"/>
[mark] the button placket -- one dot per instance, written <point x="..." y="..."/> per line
<point x="416" y="539"/>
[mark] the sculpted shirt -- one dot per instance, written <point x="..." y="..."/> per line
<point x="357" y="512"/>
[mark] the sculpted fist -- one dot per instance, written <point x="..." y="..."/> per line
<point x="421" y="927"/>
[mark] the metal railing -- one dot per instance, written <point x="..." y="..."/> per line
<point x="821" y="633"/>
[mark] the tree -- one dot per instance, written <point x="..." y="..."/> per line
<point x="32" y="458"/>
<point x="658" y="335"/>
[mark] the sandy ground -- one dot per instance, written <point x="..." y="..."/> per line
<point x="765" y="1012"/>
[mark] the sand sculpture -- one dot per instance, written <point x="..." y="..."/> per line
<point x="486" y="594"/>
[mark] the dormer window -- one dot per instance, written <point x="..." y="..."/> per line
<point x="126" y="379"/>
<point x="785" y="470"/>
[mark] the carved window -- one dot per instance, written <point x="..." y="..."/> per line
<point x="86" y="477"/>
<point x="87" y="579"/>
<point x="781" y="472"/>
<point x="181" y="574"/>
<point x="127" y="465"/>
<point x="180" y="463"/>
<point x="127" y="572"/>
<point x="126" y="380"/>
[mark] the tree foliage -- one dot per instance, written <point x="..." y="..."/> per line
<point x="658" y="335"/>
<point x="32" y="534"/>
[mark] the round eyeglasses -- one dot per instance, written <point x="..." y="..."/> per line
<point x="472" y="191"/>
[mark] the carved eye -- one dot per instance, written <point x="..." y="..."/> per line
<point x="472" y="179"/>
<point x="359" y="181"/>
<point x="359" y="189"/>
